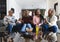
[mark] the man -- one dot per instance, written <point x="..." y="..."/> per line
<point x="51" y="25"/>
<point x="10" y="20"/>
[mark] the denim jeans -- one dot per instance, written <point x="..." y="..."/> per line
<point x="53" y="29"/>
<point x="17" y="27"/>
<point x="26" y="26"/>
<point x="47" y="29"/>
<point x="10" y="26"/>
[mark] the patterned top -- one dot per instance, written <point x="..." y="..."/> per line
<point x="9" y="19"/>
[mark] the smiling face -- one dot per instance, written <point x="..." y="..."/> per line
<point x="26" y="12"/>
<point x="38" y="11"/>
<point x="50" y="12"/>
<point x="10" y="13"/>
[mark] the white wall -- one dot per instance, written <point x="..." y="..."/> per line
<point x="25" y="4"/>
<point x="31" y="4"/>
<point x="51" y="5"/>
<point x="59" y="6"/>
<point x="13" y="4"/>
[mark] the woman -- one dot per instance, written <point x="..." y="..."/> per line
<point x="51" y="26"/>
<point x="27" y="28"/>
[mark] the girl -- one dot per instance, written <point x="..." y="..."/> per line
<point x="37" y="22"/>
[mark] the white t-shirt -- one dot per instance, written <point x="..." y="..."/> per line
<point x="52" y="21"/>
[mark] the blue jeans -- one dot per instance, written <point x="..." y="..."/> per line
<point x="53" y="29"/>
<point x="26" y="26"/>
<point x="10" y="27"/>
<point x="17" y="27"/>
<point x="47" y="29"/>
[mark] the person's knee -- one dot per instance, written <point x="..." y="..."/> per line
<point x="29" y="24"/>
<point x="54" y="29"/>
<point x="24" y="24"/>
